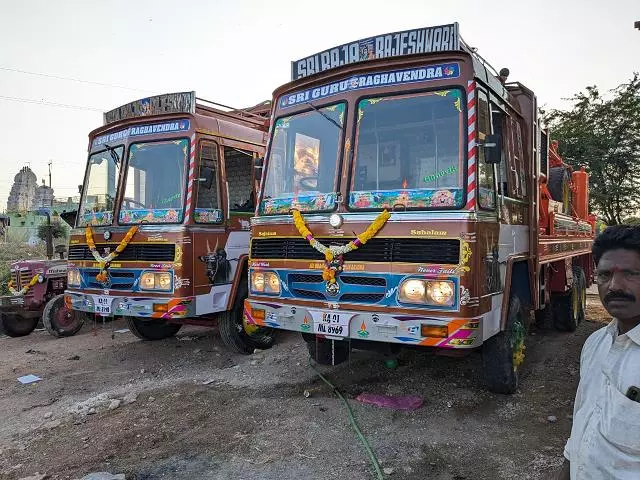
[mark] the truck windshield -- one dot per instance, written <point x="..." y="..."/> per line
<point x="155" y="183"/>
<point x="302" y="164"/>
<point x="99" y="192"/>
<point x="408" y="152"/>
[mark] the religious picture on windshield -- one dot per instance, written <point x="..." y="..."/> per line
<point x="305" y="162"/>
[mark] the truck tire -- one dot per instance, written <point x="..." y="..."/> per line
<point x="569" y="308"/>
<point x="60" y="321"/>
<point x="325" y="351"/>
<point x="15" y="325"/>
<point x="235" y="335"/>
<point x="559" y="187"/>
<point x="151" y="329"/>
<point x="503" y="354"/>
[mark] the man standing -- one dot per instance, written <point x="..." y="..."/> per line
<point x="605" y="437"/>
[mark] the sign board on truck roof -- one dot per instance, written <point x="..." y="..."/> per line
<point x="441" y="38"/>
<point x="183" y="102"/>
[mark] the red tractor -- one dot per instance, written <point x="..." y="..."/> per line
<point x="36" y="291"/>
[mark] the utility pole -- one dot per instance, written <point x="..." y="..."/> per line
<point x="50" y="162"/>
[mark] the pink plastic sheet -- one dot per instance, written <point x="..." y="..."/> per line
<point x="410" y="402"/>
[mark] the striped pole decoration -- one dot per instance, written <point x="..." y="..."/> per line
<point x="192" y="171"/>
<point x="471" y="145"/>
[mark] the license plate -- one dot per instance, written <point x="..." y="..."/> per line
<point x="331" y="323"/>
<point x="103" y="305"/>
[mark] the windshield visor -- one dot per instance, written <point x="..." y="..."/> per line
<point x="99" y="192"/>
<point x="409" y="152"/>
<point x="303" y="160"/>
<point x="155" y="184"/>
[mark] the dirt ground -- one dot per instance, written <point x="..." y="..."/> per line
<point x="189" y="409"/>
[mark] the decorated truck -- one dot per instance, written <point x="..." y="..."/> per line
<point x="410" y="198"/>
<point x="162" y="232"/>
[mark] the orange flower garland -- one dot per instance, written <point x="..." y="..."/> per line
<point x="104" y="261"/>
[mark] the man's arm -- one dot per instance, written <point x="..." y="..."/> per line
<point x="565" y="472"/>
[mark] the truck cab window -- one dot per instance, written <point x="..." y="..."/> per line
<point x="208" y="193"/>
<point x="498" y="119"/>
<point x="238" y="169"/>
<point x="486" y="180"/>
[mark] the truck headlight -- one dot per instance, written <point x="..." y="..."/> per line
<point x="441" y="293"/>
<point x="155" y="281"/>
<point x="412" y="291"/>
<point x="73" y="277"/>
<point x="265" y="282"/>
<point x="427" y="292"/>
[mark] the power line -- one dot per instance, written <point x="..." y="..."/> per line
<point x="71" y="79"/>
<point x="50" y="104"/>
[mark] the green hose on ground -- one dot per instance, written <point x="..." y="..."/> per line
<point x="352" y="419"/>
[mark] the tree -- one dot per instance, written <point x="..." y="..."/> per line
<point x="602" y="133"/>
<point x="58" y="230"/>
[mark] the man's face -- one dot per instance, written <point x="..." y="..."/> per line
<point x="618" y="278"/>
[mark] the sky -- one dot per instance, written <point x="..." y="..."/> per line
<point x="96" y="55"/>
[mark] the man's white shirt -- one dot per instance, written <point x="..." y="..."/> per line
<point x="605" y="437"/>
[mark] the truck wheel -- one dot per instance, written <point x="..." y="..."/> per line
<point x="544" y="318"/>
<point x="151" y="329"/>
<point x="503" y="353"/>
<point x="15" y="325"/>
<point x="239" y="337"/>
<point x="325" y="351"/>
<point x="569" y="308"/>
<point x="59" y="320"/>
<point x="560" y="188"/>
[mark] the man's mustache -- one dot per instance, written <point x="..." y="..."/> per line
<point x="619" y="296"/>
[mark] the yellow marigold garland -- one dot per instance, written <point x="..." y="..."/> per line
<point x="104" y="261"/>
<point x="330" y="253"/>
<point x="25" y="289"/>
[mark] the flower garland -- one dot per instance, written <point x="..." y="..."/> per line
<point x="105" y="261"/>
<point x="333" y="254"/>
<point x="25" y="289"/>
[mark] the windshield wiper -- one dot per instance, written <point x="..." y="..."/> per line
<point x="324" y="115"/>
<point x="113" y="153"/>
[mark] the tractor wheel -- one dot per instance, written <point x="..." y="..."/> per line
<point x="15" y="325"/>
<point x="238" y="336"/>
<point x="503" y="353"/>
<point x="560" y="187"/>
<point x="151" y="329"/>
<point x="326" y="351"/>
<point x="569" y="308"/>
<point x="59" y="320"/>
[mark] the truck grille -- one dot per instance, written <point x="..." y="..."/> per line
<point x="360" y="289"/>
<point x="406" y="250"/>
<point x="141" y="252"/>
<point x="120" y="279"/>
<point x="22" y="278"/>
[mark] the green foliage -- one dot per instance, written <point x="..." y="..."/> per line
<point x="602" y="133"/>
<point x="58" y="230"/>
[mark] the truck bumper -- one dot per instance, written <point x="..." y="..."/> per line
<point x="11" y="303"/>
<point x="143" y="307"/>
<point x="452" y="333"/>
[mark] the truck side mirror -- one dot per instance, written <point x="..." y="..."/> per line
<point x="492" y="149"/>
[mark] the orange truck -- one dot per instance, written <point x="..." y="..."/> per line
<point x="410" y="198"/>
<point x="162" y="233"/>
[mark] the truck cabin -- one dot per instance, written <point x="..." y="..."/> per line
<point x="138" y="171"/>
<point x="395" y="128"/>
